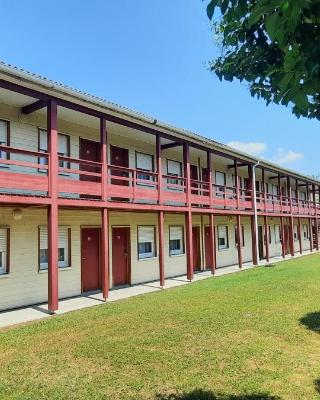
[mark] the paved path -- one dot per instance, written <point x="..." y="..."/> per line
<point x="32" y="313"/>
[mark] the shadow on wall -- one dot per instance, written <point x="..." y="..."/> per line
<point x="199" y="394"/>
<point x="311" y="321"/>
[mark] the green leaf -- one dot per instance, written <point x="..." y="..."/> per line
<point x="211" y="7"/>
<point x="301" y="101"/>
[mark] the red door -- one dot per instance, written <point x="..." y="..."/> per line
<point x="121" y="256"/>
<point x="90" y="259"/>
<point x="90" y="151"/>
<point x="194" y="176"/>
<point x="196" y="248"/>
<point x="208" y="247"/>
<point x="120" y="158"/>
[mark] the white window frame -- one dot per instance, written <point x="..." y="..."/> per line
<point x="295" y="233"/>
<point x="306" y="235"/>
<point x="149" y="232"/>
<point x="43" y="148"/>
<point x="64" y="240"/>
<point x="4" y="250"/>
<point x="220" y="187"/>
<point x="176" y="236"/>
<point x="277" y="233"/>
<point x="141" y="175"/>
<point x="4" y="140"/>
<point x="220" y="229"/>
<point x="173" y="172"/>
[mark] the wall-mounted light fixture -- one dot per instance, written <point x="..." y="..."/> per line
<point x="17" y="214"/>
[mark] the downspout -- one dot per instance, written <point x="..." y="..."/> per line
<point x="255" y="213"/>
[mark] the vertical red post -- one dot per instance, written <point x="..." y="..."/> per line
<point x="310" y="234"/>
<point x="105" y="252"/>
<point x="239" y="240"/>
<point x="283" y="243"/>
<point x="188" y="223"/>
<point x="299" y="235"/>
<point x="297" y="196"/>
<point x="266" y="237"/>
<point x="291" y="235"/>
<point x="161" y="247"/>
<point x="280" y="191"/>
<point x="186" y="162"/>
<point x="236" y="182"/>
<point x="213" y="244"/>
<point x="209" y="172"/>
<point x="52" y="131"/>
<point x="103" y="158"/>
<point x="159" y="168"/>
<point x="316" y="232"/>
<point x="264" y="190"/>
<point x="254" y="241"/>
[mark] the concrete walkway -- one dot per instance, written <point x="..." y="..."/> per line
<point x="32" y="313"/>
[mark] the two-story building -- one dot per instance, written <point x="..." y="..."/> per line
<point x="95" y="196"/>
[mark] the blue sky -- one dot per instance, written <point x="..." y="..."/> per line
<point x="152" y="56"/>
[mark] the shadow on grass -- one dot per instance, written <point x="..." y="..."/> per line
<point x="199" y="394"/>
<point x="311" y="321"/>
<point x="317" y="385"/>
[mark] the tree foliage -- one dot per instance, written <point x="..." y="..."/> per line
<point x="273" y="45"/>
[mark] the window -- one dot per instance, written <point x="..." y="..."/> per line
<point x="176" y="240"/>
<point x="174" y="168"/>
<point x="305" y="232"/>
<point x="220" y="181"/>
<point x="144" y="162"/>
<point x="277" y="234"/>
<point x="64" y="239"/>
<point x="275" y="190"/>
<point x="63" y="148"/>
<point x="4" y="251"/>
<point x="236" y="235"/>
<point x="303" y="196"/>
<point x="295" y="233"/>
<point x="223" y="242"/>
<point x="146" y="242"/>
<point x="4" y="137"/>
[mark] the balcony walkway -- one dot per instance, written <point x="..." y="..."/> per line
<point x="37" y="312"/>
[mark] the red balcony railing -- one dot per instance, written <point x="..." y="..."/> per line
<point x="25" y="172"/>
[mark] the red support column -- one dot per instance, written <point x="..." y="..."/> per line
<point x="254" y="241"/>
<point x="239" y="240"/>
<point x="310" y="234"/>
<point x="186" y="162"/>
<point x="299" y="235"/>
<point x="316" y="232"/>
<point x="159" y="168"/>
<point x="291" y="235"/>
<point x="236" y="182"/>
<point x="52" y="115"/>
<point x="103" y="158"/>
<point x="264" y="190"/>
<point x="105" y="252"/>
<point x="283" y="244"/>
<point x="213" y="243"/>
<point x="209" y="172"/>
<point x="188" y="223"/>
<point x="161" y="247"/>
<point x="266" y="236"/>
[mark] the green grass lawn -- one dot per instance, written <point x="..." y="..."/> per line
<point x="252" y="335"/>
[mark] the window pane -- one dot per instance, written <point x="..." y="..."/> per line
<point x="43" y="256"/>
<point x="61" y="254"/>
<point x="175" y="244"/>
<point x="1" y="260"/>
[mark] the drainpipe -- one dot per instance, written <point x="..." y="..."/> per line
<point x="255" y="213"/>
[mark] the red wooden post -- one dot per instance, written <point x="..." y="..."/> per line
<point x="188" y="223"/>
<point x="283" y="244"/>
<point x="52" y="115"/>
<point x="239" y="239"/>
<point x="266" y="236"/>
<point x="297" y="196"/>
<point x="280" y="191"/>
<point x="299" y="235"/>
<point x="213" y="244"/>
<point x="186" y="162"/>
<point x="291" y="236"/>
<point x="254" y="241"/>
<point x="209" y="172"/>
<point x="316" y="232"/>
<point x="310" y="234"/>
<point x="105" y="252"/>
<point x="159" y="168"/>
<point x="103" y="158"/>
<point x="236" y="182"/>
<point x="264" y="190"/>
<point x="161" y="247"/>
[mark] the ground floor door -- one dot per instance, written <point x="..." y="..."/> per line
<point x="260" y="241"/>
<point x="121" y="256"/>
<point x="208" y="247"/>
<point x="196" y="248"/>
<point x="90" y="259"/>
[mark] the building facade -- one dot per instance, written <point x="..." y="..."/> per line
<point x="94" y="196"/>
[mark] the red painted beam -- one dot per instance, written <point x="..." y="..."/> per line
<point x="239" y="240"/>
<point x="105" y="252"/>
<point x="161" y="247"/>
<point x="159" y="168"/>
<point x="189" y="246"/>
<point x="103" y="158"/>
<point x="53" y="208"/>
<point x="30" y="108"/>
<point x="170" y="145"/>
<point x="213" y="245"/>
